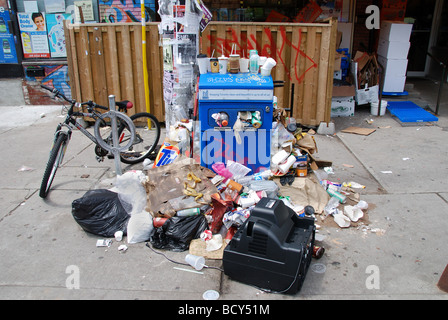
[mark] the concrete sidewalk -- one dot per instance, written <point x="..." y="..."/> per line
<point x="404" y="170"/>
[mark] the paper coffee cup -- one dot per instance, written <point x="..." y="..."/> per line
<point x="203" y="63"/>
<point x="244" y="65"/>
<point x="223" y="64"/>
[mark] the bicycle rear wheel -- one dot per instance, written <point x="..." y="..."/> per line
<point x="56" y="155"/>
<point x="147" y="134"/>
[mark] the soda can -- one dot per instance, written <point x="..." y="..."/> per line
<point x="206" y="235"/>
<point x="318" y="252"/>
<point x="158" y="222"/>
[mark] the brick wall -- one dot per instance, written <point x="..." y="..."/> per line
<point x="50" y="75"/>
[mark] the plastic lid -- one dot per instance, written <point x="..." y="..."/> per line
<point x="210" y="295"/>
<point x="202" y="55"/>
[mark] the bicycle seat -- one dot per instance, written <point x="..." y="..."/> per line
<point x="124" y="105"/>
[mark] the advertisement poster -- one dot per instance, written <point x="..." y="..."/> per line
<point x="56" y="36"/>
<point x="8" y="48"/>
<point x="34" y="35"/>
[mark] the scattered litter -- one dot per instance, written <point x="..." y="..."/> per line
<point x="25" y="168"/>
<point x="342" y="220"/>
<point x="104" y="242"/>
<point x="210" y="295"/>
<point x="188" y="270"/>
<point x="386" y="171"/>
<point x="85" y="176"/>
<point x="318" y="268"/>
<point x="360" y="131"/>
<point x="348" y="165"/>
<point x="354" y="213"/>
<point x="404" y="159"/>
<point x="123" y="248"/>
<point x="196" y="262"/>
<point x="118" y="236"/>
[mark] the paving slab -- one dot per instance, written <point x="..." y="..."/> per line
<point x="405" y="251"/>
<point x="42" y="246"/>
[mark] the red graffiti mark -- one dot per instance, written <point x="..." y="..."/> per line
<point x="269" y="49"/>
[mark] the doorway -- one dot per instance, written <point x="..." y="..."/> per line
<point x="426" y="17"/>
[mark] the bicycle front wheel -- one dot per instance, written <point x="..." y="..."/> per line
<point x="147" y="134"/>
<point x="56" y="155"/>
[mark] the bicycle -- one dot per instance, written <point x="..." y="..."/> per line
<point x="138" y="134"/>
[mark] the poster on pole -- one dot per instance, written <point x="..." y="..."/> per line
<point x="34" y="35"/>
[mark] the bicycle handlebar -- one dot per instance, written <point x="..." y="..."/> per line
<point x="59" y="94"/>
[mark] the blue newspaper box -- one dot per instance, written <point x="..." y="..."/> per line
<point x="225" y="98"/>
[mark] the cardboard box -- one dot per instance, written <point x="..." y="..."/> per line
<point x="395" y="31"/>
<point x="342" y="106"/>
<point x="344" y="91"/>
<point x="393" y="49"/>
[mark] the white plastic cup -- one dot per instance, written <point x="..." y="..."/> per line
<point x="203" y="63"/>
<point x="374" y="108"/>
<point x="223" y="64"/>
<point x="262" y="60"/>
<point x="196" y="262"/>
<point x="118" y="235"/>
<point x="265" y="72"/>
<point x="244" y="65"/>
<point x="269" y="64"/>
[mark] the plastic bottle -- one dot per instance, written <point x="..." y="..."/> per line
<point x="188" y="212"/>
<point x="264" y="175"/>
<point x="253" y="62"/>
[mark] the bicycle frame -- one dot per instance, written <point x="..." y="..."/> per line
<point x="71" y="123"/>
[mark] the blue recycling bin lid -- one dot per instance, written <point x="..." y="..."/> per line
<point x="235" y="87"/>
<point x="235" y="81"/>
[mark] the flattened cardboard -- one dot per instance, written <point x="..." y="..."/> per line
<point x="357" y="130"/>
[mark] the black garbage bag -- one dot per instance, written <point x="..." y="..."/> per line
<point x="100" y="212"/>
<point x="177" y="232"/>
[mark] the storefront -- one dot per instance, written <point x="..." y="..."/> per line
<point x="33" y="43"/>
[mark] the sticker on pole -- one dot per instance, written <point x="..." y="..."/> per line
<point x="167" y="154"/>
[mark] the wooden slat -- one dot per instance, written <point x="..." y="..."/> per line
<point x="113" y="77"/>
<point x="99" y="68"/>
<point x="86" y="71"/>
<point x="126" y="61"/>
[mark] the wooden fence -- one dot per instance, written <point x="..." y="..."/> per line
<point x="106" y="59"/>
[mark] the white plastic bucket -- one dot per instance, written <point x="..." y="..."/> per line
<point x="374" y="108"/>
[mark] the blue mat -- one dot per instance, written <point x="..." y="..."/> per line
<point x="395" y="94"/>
<point x="408" y="111"/>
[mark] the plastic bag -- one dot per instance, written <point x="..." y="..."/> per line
<point x="177" y="232"/>
<point x="269" y="186"/>
<point x="100" y="212"/>
<point x="140" y="227"/>
<point x="131" y="191"/>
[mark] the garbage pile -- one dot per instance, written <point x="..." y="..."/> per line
<point x="177" y="204"/>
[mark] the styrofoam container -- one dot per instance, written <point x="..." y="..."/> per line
<point x="395" y="31"/>
<point x="393" y="49"/>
